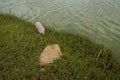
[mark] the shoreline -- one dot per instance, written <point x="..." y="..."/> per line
<point x="21" y="45"/>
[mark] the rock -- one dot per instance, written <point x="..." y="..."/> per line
<point x="50" y="53"/>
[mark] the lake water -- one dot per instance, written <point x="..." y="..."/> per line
<point x="97" y="19"/>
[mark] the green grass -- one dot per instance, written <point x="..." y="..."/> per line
<point x="21" y="45"/>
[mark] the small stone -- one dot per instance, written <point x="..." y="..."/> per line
<point x="42" y="69"/>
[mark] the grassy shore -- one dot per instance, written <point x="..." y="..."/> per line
<point x="21" y="45"/>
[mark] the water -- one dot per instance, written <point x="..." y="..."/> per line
<point x="97" y="19"/>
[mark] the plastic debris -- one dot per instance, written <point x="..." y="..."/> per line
<point x="40" y="27"/>
<point x="50" y="62"/>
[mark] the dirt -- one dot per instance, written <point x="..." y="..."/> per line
<point x="50" y="53"/>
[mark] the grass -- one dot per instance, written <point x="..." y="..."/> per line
<point x="21" y="45"/>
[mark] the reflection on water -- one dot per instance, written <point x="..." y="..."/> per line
<point x="98" y="19"/>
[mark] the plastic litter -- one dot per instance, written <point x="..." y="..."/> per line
<point x="50" y="62"/>
<point x="40" y="27"/>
